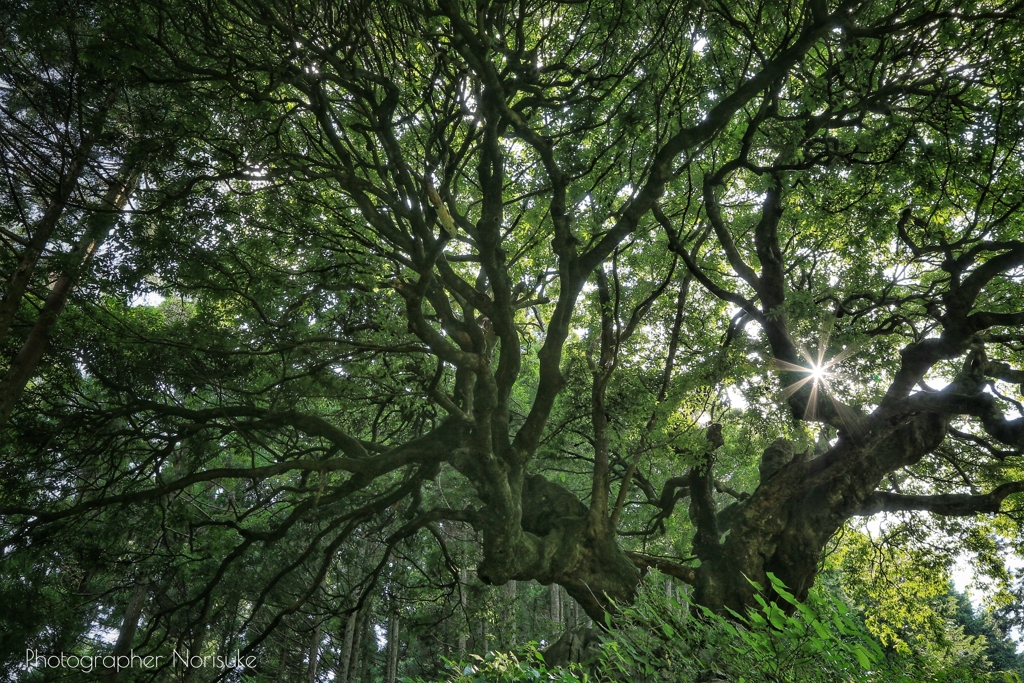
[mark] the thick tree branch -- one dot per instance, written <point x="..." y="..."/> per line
<point x="950" y="504"/>
<point x="685" y="574"/>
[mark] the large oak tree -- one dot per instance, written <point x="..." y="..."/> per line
<point x="505" y="265"/>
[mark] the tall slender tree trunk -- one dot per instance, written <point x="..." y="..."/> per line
<point x="359" y="644"/>
<point x="98" y="227"/>
<point x="345" y="661"/>
<point x="555" y="600"/>
<point x="511" y="625"/>
<point x="364" y="665"/>
<point x="392" y="663"/>
<point x="129" y="624"/>
<point x="463" y="602"/>
<point x="196" y="648"/>
<point x="314" y="653"/>
<point x="282" y="664"/>
<point x="17" y="284"/>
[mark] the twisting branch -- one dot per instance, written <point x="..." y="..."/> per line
<point x="950" y="504"/>
<point x="665" y="566"/>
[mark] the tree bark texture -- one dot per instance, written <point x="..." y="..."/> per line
<point x="345" y="658"/>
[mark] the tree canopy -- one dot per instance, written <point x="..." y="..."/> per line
<point x="308" y="305"/>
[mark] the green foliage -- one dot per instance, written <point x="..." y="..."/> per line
<point x="665" y="637"/>
<point x="819" y="639"/>
<point x="510" y="667"/>
<point x="902" y="587"/>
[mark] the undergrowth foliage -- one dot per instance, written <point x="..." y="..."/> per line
<point x="664" y="636"/>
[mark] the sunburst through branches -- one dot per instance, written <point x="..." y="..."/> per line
<point x="817" y="373"/>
